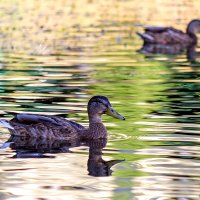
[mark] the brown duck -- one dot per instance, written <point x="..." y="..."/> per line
<point x="170" y="35"/>
<point x="55" y="127"/>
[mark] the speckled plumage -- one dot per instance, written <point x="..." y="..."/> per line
<point x="55" y="127"/>
<point x="64" y="130"/>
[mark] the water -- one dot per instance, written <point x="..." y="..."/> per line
<point x="55" y="57"/>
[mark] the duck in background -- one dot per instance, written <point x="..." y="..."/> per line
<point x="170" y="35"/>
<point x="168" y="40"/>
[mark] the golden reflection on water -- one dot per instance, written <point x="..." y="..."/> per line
<point x="45" y="27"/>
<point x="36" y="179"/>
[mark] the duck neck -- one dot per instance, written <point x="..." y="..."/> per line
<point x="193" y="37"/>
<point x="192" y="28"/>
<point x="95" y="118"/>
<point x="96" y="128"/>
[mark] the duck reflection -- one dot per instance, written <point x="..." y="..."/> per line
<point x="96" y="165"/>
<point x="171" y="49"/>
<point x="27" y="147"/>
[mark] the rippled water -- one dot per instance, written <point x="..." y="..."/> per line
<point x="154" y="154"/>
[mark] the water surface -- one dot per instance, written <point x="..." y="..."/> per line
<point x="51" y="65"/>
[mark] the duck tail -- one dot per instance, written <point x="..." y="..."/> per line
<point x="6" y="124"/>
<point x="146" y="37"/>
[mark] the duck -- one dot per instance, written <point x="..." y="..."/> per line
<point x="56" y="127"/>
<point x="170" y="35"/>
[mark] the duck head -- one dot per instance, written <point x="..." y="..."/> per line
<point x="99" y="105"/>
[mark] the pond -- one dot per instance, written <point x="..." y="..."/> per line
<point x="54" y="58"/>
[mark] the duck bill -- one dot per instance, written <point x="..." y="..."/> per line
<point x="115" y="114"/>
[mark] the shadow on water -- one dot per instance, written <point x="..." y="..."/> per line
<point x="27" y="147"/>
<point x="175" y="49"/>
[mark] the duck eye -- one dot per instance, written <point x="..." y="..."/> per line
<point x="104" y="111"/>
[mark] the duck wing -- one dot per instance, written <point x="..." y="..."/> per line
<point x="164" y="35"/>
<point x="156" y="29"/>
<point x="152" y="33"/>
<point x="148" y="38"/>
<point x="44" y="126"/>
<point x="26" y="118"/>
<point x="176" y="36"/>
